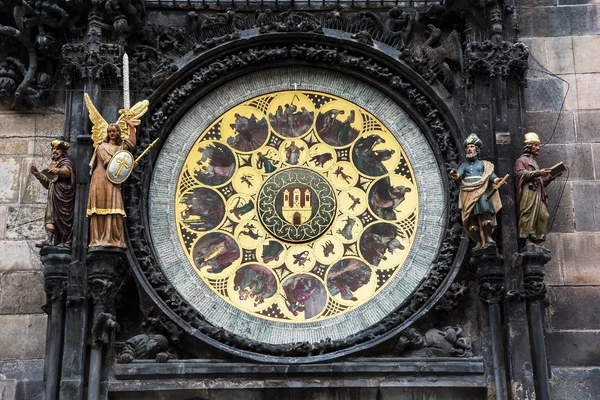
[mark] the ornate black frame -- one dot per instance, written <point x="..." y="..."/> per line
<point x="198" y="74"/>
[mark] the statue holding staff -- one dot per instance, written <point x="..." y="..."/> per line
<point x="479" y="200"/>
<point x="59" y="179"/>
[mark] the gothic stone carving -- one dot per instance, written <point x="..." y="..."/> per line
<point x="451" y="341"/>
<point x="269" y="55"/>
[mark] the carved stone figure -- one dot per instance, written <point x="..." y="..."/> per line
<point x="59" y="179"/>
<point x="105" y="201"/>
<point x="478" y="208"/>
<point x="531" y="182"/>
<point x="451" y="341"/>
<point x="144" y="347"/>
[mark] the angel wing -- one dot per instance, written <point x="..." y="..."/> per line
<point x="99" y="124"/>
<point x="135" y="114"/>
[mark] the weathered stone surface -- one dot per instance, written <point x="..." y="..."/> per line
<point x="586" y="50"/>
<point x="23" y="337"/>
<point x="21" y="292"/>
<point x="18" y="255"/>
<point x="3" y="219"/>
<point x="562" y="216"/>
<point x="14" y="147"/>
<point x="569" y="93"/>
<point x="580" y="258"/>
<point x="587" y="209"/>
<point x="588" y="126"/>
<point x="10" y="168"/>
<point x="546" y="93"/>
<point x="574" y="348"/>
<point x="31" y="189"/>
<point x="8" y="388"/>
<point x="545" y="124"/>
<point x="559" y="53"/>
<point x="588" y="87"/>
<point x="26" y="222"/>
<point x="577" y="157"/>
<point x="566" y="311"/>
<point x="537" y="49"/>
<point x="596" y="157"/>
<point x="42" y="148"/>
<point x="50" y="124"/>
<point x="28" y="373"/>
<point x="17" y="125"/>
<point x="562" y="20"/>
<point x="585" y="19"/>
<point x="544" y="21"/>
<point x="554" y="267"/>
<point x="576" y="383"/>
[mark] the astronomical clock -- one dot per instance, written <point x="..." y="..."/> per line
<point x="297" y="206"/>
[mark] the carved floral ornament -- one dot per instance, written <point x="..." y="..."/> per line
<point x="436" y="276"/>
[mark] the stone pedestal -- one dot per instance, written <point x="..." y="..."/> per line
<point x="56" y="261"/>
<point x="490" y="275"/>
<point x="534" y="259"/>
<point x="102" y="265"/>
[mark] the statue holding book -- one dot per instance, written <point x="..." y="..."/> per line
<point x="531" y="182"/>
<point x="59" y="179"/>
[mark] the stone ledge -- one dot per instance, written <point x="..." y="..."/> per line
<point x="381" y="372"/>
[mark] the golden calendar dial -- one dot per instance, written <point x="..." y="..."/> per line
<point x="296" y="206"/>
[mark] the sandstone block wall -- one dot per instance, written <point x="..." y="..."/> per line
<point x="564" y="36"/>
<point x="24" y="141"/>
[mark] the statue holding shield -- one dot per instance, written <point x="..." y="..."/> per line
<point x="111" y="164"/>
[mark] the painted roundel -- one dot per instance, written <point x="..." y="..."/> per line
<point x="296" y="206"/>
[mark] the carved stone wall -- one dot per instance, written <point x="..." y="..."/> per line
<point x="569" y="49"/>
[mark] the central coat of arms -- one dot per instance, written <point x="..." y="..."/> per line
<point x="296" y="205"/>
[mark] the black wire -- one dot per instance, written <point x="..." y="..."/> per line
<point x="551" y="225"/>
<point x="562" y="103"/>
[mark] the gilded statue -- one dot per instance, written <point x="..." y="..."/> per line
<point x="59" y="179"/>
<point x="531" y="182"/>
<point x="105" y="201"/>
<point x="479" y="200"/>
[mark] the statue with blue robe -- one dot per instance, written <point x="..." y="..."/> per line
<point x="477" y="179"/>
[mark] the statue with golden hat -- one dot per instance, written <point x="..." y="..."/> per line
<point x="59" y="179"/>
<point x="531" y="182"/>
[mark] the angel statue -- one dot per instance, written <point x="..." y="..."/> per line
<point x="105" y="201"/>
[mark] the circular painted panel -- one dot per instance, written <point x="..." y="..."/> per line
<point x="251" y="195"/>
<point x="288" y="215"/>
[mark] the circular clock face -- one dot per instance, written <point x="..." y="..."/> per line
<point x="294" y="215"/>
<point x="300" y="203"/>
